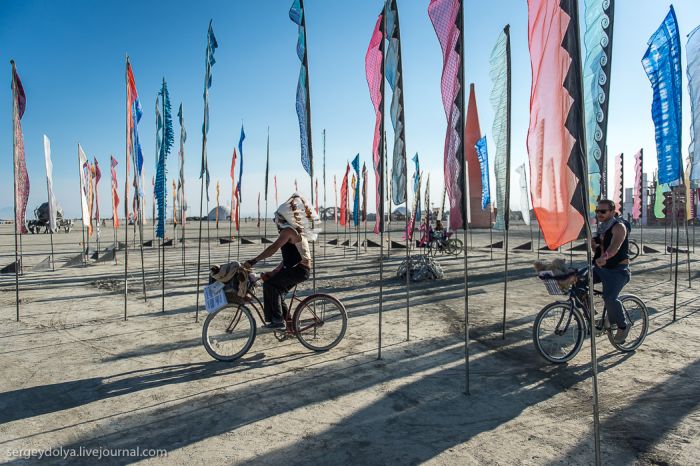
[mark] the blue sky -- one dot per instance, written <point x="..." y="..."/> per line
<point x="70" y="56"/>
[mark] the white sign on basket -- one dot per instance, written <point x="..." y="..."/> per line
<point x="214" y="297"/>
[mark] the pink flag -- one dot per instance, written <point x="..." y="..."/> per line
<point x="20" y="165"/>
<point x="618" y="186"/>
<point x="637" y="195"/>
<point x="115" y="196"/>
<point x="445" y="16"/>
<point x="374" y="69"/>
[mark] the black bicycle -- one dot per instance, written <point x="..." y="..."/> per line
<point x="560" y="327"/>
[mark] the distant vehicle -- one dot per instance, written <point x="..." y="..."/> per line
<point x="41" y="215"/>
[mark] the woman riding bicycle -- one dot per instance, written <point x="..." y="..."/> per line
<point x="294" y="219"/>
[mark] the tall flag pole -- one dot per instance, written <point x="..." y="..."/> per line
<point x="394" y="76"/>
<point x="267" y="176"/>
<point x="204" y="173"/>
<point x="500" y="74"/>
<point x="168" y="138"/>
<point x="49" y="193"/>
<point x="662" y="64"/>
<point x="20" y="176"/>
<point x="181" y="183"/>
<point x="374" y="70"/>
<point x="232" y="212"/>
<point x="303" y="106"/>
<point x="364" y="200"/>
<point x="559" y="178"/>
<point x="356" y="201"/>
<point x="325" y="205"/>
<point x="115" y="202"/>
<point x="598" y="42"/>
<point x="447" y="17"/>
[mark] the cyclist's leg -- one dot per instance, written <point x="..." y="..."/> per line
<point x="276" y="287"/>
<point x="614" y="280"/>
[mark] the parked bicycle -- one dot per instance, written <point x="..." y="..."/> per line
<point x="560" y="327"/>
<point x="319" y="322"/>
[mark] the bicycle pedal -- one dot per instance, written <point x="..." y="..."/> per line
<point x="281" y="336"/>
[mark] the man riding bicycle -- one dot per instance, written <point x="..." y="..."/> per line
<point x="611" y="263"/>
<point x="294" y="220"/>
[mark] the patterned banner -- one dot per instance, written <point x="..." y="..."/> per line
<point x="662" y="64"/>
<point x="524" y="194"/>
<point x="239" y="193"/>
<point x="619" y="186"/>
<point x="212" y="45"/>
<point x="356" y="197"/>
<point x="364" y="193"/>
<point x="374" y="69"/>
<point x="394" y="76"/>
<point x="344" y="198"/>
<point x="483" y="156"/>
<point x="445" y="16"/>
<point x="637" y="194"/>
<point x="598" y="40"/>
<point x="234" y="204"/>
<point x="414" y="213"/>
<point x="500" y="75"/>
<point x="416" y="184"/>
<point x="53" y="207"/>
<point x="98" y="177"/>
<point x="296" y="14"/>
<point x="692" y="50"/>
<point x="84" y="187"/>
<point x="19" y="101"/>
<point x="181" y="158"/>
<point x="659" y="198"/>
<point x="557" y="177"/>
<point x="115" y="196"/>
<point x="168" y="138"/>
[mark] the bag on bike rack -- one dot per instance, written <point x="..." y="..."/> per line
<point x="235" y="280"/>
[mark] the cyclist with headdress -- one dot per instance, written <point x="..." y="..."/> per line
<point x="295" y="220"/>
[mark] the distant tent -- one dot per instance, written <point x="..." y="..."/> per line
<point x="224" y="214"/>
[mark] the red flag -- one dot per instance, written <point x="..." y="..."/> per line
<point x="131" y="96"/>
<point x="20" y="164"/>
<point x="555" y="135"/>
<point x="115" y="196"/>
<point x="98" y="176"/>
<point x="344" y="197"/>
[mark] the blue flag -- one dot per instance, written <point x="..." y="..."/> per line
<point x="296" y="14"/>
<point x="240" y="167"/>
<point x="416" y="186"/>
<point x="166" y="143"/>
<point x="662" y="63"/>
<point x="483" y="155"/>
<point x="356" y="202"/>
<point x="212" y="45"/>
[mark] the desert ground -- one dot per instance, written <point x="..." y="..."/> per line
<point x="77" y="375"/>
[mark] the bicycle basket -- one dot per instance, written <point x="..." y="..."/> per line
<point x="553" y="287"/>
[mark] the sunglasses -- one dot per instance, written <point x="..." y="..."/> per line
<point x="601" y="211"/>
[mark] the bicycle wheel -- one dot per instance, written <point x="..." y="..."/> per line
<point x="455" y="246"/>
<point x="558" y="332"/>
<point x="633" y="250"/>
<point x="638" y="317"/>
<point x="434" y="248"/>
<point x="320" y="322"/>
<point x="229" y="332"/>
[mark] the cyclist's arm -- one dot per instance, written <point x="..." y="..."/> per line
<point x="618" y="237"/>
<point x="270" y="251"/>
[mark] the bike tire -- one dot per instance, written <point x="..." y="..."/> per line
<point x="578" y="331"/>
<point x="455" y="246"/>
<point x="245" y="335"/>
<point x="434" y="248"/>
<point x="633" y="250"/>
<point x="306" y="322"/>
<point x="640" y="317"/>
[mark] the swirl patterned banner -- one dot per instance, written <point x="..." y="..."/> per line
<point x="598" y="41"/>
<point x="394" y="76"/>
<point x="499" y="101"/>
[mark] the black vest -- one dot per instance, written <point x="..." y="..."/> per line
<point x="622" y="253"/>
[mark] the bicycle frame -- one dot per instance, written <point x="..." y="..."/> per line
<point x="253" y="301"/>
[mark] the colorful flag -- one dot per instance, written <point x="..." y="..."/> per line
<point x="483" y="156"/>
<point x="19" y="104"/>
<point x="416" y="184"/>
<point x="356" y="197"/>
<point x="557" y="177"/>
<point x="168" y="138"/>
<point x="53" y="207"/>
<point x="98" y="176"/>
<point x="394" y="76"/>
<point x="619" y="188"/>
<point x="374" y="69"/>
<point x="415" y="212"/>
<point x="303" y="105"/>
<point x="234" y="192"/>
<point x="659" y="198"/>
<point x="364" y="193"/>
<point x="134" y="153"/>
<point x="426" y="204"/>
<point x="524" y="194"/>
<point x="662" y="64"/>
<point x="478" y="217"/>
<point x="446" y="17"/>
<point x="91" y="194"/>
<point x="115" y="196"/>
<point x="692" y="50"/>
<point x="240" y="166"/>
<point x="212" y="45"/>
<point x="501" y="81"/>
<point x="598" y="41"/>
<point x="181" y="158"/>
<point x="344" y="197"/>
<point x="84" y="187"/>
<point x="638" y="188"/>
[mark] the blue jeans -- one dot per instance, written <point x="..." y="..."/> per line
<point x="613" y="280"/>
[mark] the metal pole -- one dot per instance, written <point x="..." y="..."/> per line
<point x="14" y="180"/>
<point x="382" y="181"/>
<point x="675" y="284"/>
<point x="126" y="192"/>
<point x="506" y="203"/>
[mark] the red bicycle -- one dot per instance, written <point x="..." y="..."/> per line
<point x="319" y="322"/>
